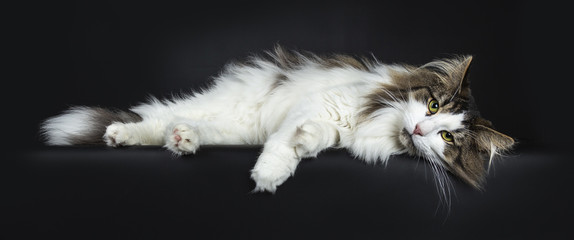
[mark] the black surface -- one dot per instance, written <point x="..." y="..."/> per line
<point x="116" y="53"/>
<point x="147" y="193"/>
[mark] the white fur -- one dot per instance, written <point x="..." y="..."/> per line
<point x="316" y="108"/>
<point x="59" y="128"/>
<point x="376" y="139"/>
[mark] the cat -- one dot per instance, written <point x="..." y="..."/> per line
<point x="297" y="104"/>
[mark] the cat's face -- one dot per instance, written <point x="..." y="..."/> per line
<point x="440" y="122"/>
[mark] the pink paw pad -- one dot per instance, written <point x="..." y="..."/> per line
<point x="176" y="137"/>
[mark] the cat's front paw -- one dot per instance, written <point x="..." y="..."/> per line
<point x="117" y="134"/>
<point x="182" y="139"/>
<point x="269" y="173"/>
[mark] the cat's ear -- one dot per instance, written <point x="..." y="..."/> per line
<point x="492" y="141"/>
<point x="453" y="73"/>
<point x="465" y="67"/>
<point x="460" y="76"/>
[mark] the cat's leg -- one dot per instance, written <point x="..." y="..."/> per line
<point x="146" y="132"/>
<point x="184" y="136"/>
<point x="284" y="149"/>
<point x="180" y="136"/>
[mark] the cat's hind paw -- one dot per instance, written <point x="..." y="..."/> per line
<point x="182" y="139"/>
<point x="117" y="134"/>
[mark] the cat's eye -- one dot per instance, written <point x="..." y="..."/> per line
<point x="447" y="136"/>
<point x="433" y="106"/>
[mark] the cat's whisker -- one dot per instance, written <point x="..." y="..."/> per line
<point x="442" y="182"/>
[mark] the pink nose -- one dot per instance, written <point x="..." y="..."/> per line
<point x="417" y="131"/>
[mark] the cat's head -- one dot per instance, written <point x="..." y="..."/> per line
<point x="440" y="121"/>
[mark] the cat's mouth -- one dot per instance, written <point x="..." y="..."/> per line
<point x="406" y="140"/>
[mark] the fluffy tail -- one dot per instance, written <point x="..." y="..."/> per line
<point x="83" y="125"/>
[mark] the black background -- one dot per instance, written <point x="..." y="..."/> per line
<point x="117" y="53"/>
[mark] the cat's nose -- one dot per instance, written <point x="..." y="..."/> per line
<point x="418" y="130"/>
